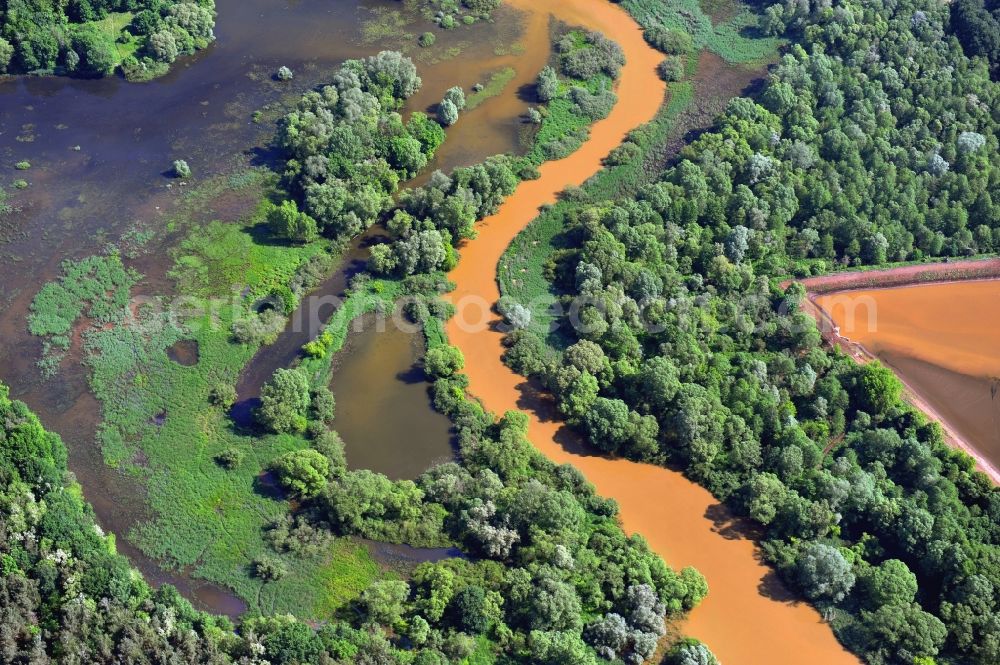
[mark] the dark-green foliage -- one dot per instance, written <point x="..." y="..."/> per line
<point x="976" y="23"/>
<point x="96" y="37"/>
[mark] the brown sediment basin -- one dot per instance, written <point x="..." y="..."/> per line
<point x="748" y="617"/>
<point x="942" y="339"/>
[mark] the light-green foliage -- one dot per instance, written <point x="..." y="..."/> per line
<point x="218" y="258"/>
<point x="565" y="126"/>
<point x="285" y="402"/>
<point x="303" y="472"/>
<point x="734" y="39"/>
<point x="97" y="287"/>
<point x="497" y="83"/>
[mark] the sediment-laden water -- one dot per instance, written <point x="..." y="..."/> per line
<point x="100" y="149"/>
<point x="384" y="411"/>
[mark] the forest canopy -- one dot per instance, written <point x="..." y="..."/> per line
<point x="976" y="23"/>
<point x="93" y="38"/>
<point x="553" y="577"/>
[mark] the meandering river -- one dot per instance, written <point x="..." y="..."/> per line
<point x="98" y="149"/>
<point x="748" y="617"/>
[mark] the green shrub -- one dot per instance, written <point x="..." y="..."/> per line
<point x="230" y="458"/>
<point x="284" y="402"/>
<point x="302" y="472"/>
<point x="269" y="568"/>
<point x="181" y="169"/>
<point x="671" y="42"/>
<point x="671" y="69"/>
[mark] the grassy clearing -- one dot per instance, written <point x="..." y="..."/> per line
<point x="216" y="259"/>
<point x="496" y="84"/>
<point x="111" y="29"/>
<point x="113" y="24"/>
<point x="736" y="39"/>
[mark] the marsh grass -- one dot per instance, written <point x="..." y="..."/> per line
<point x="497" y="83"/>
<point x="159" y="423"/>
<point x="736" y="38"/>
<point x="97" y="287"/>
<point x="386" y="24"/>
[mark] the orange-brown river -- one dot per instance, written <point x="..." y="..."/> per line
<point x="747" y="618"/>
<point x="943" y="341"/>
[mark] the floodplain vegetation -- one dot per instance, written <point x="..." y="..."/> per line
<point x="95" y="38"/>
<point x="872" y="141"/>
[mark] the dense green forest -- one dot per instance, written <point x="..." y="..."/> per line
<point x="95" y="38"/>
<point x="976" y="23"/>
<point x="874" y="140"/>
<point x="550" y="563"/>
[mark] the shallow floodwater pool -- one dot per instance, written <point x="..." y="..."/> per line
<point x="384" y="411"/>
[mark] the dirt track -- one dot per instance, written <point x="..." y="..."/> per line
<point x="902" y="276"/>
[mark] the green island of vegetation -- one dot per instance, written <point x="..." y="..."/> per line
<point x="94" y="38"/>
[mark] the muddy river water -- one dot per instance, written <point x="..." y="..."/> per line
<point x="748" y="616"/>
<point x="99" y="150"/>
